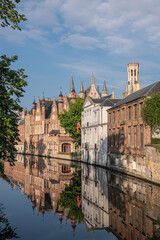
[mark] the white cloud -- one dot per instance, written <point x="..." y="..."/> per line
<point x="82" y="42"/>
<point x="113" y="24"/>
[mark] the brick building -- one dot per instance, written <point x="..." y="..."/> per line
<point x="40" y="130"/>
<point x="128" y="134"/>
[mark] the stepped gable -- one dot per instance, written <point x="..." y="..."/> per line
<point x="153" y="88"/>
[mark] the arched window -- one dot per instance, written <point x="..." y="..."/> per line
<point x="66" y="147"/>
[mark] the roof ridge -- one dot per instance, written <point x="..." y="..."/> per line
<point x="151" y="87"/>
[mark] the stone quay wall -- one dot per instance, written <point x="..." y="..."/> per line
<point x="146" y="166"/>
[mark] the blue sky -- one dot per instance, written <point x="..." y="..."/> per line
<point x="84" y="36"/>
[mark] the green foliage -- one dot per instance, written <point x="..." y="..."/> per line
<point x="157" y="148"/>
<point x="151" y="110"/>
<point x="155" y="140"/>
<point x="69" y="119"/>
<point x="1" y="168"/>
<point x="68" y="199"/>
<point x="9" y="15"/>
<point x="11" y="90"/>
<point x="6" y="230"/>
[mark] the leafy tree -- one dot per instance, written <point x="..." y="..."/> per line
<point x="11" y="86"/>
<point x="68" y="199"/>
<point x="11" y="90"/>
<point x="151" y="110"/>
<point x="6" y="230"/>
<point x="69" y="119"/>
<point x="9" y="15"/>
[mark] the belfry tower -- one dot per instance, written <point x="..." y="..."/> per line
<point x="133" y="79"/>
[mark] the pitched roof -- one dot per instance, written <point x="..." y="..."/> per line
<point x="100" y="100"/>
<point x="48" y="108"/>
<point x="110" y="102"/>
<point x="153" y="88"/>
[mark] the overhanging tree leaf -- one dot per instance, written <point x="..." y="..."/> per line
<point x="9" y="15"/>
<point x="151" y="110"/>
<point x="12" y="85"/>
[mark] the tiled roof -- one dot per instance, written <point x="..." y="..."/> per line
<point x="153" y="88"/>
<point x="110" y="102"/>
<point x="106" y="101"/>
<point x="99" y="100"/>
<point x="48" y="108"/>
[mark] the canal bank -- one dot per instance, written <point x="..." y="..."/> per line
<point x="145" y="166"/>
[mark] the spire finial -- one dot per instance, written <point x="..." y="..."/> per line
<point x="43" y="95"/>
<point x="81" y="88"/>
<point x="72" y="89"/>
<point x="60" y="92"/>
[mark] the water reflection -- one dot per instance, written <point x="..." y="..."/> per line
<point x="6" y="230"/>
<point x="128" y="207"/>
<point x="104" y="200"/>
<point x="42" y="180"/>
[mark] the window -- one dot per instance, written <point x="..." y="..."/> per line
<point x="118" y="116"/>
<point x="66" y="169"/>
<point x="131" y="213"/>
<point x="118" y="137"/>
<point x="135" y="111"/>
<point x="110" y="118"/>
<point x="135" y="136"/>
<point x="123" y="114"/>
<point x="141" y="106"/>
<point x="131" y="72"/>
<point x="135" y="72"/>
<point x="122" y="136"/>
<point x="129" y="113"/>
<point x="129" y="136"/>
<point x="113" y="117"/>
<point x="66" y="147"/>
<point x="143" y="222"/>
<point x="109" y="138"/>
<point x="95" y="116"/>
<point x="141" y="136"/>
<point x="137" y="218"/>
<point x="114" y="137"/>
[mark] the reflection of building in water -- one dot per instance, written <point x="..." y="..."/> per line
<point x="15" y="173"/>
<point x="43" y="180"/>
<point x="94" y="197"/>
<point x="133" y="208"/>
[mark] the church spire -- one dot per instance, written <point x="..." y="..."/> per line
<point x="93" y="80"/>
<point x="104" y="91"/>
<point x="98" y="89"/>
<point x="72" y="89"/>
<point x="81" y="88"/>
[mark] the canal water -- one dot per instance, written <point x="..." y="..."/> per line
<point x="44" y="198"/>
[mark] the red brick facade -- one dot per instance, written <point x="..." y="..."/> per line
<point x="127" y="133"/>
<point x="40" y="130"/>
